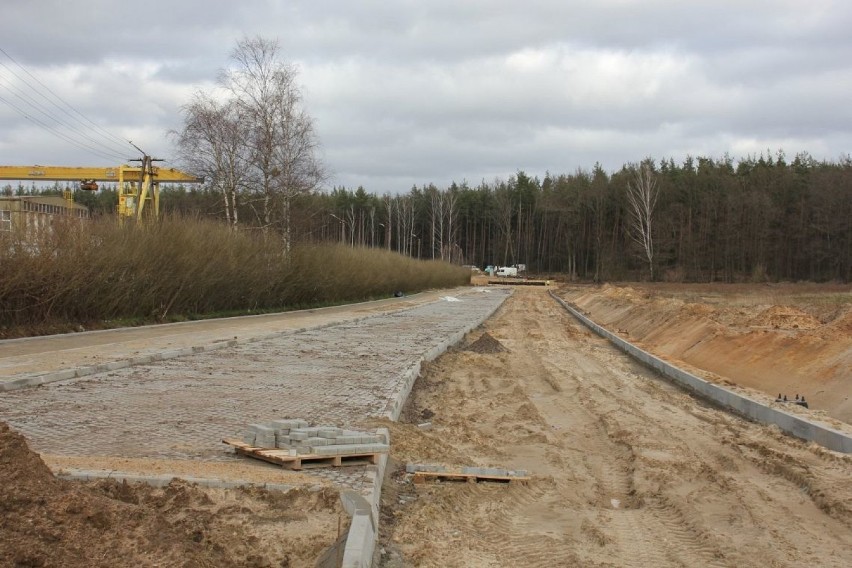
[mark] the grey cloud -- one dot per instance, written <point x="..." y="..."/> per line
<point x="413" y="91"/>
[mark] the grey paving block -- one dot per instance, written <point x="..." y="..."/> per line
<point x="352" y="449"/>
<point x="415" y="467"/>
<point x="288" y="423"/>
<point x="352" y="370"/>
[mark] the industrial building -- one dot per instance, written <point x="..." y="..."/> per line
<point x="29" y="212"/>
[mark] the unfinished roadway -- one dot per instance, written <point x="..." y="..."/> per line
<point x="159" y="400"/>
<point x="627" y="469"/>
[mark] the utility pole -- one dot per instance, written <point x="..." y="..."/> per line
<point x="132" y="198"/>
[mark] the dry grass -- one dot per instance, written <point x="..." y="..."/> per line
<point x="81" y="273"/>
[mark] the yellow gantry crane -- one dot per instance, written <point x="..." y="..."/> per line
<point x="138" y="186"/>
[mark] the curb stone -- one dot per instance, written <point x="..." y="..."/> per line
<point x="738" y="404"/>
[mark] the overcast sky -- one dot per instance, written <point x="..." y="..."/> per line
<point x="413" y="92"/>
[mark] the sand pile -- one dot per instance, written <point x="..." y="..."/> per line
<point x="843" y="322"/>
<point x="46" y="521"/>
<point x="486" y="344"/>
<point x="784" y="317"/>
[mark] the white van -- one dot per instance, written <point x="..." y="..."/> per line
<point x="507" y="271"/>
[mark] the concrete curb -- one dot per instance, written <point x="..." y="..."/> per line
<point x="751" y="409"/>
<point x="394" y="408"/>
<point x="363" y="532"/>
<point x="35" y="380"/>
<point x="164" y="479"/>
<point x="360" y="550"/>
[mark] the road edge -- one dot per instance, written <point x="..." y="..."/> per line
<point x="360" y="549"/>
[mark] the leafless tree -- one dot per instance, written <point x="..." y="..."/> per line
<point x="212" y="144"/>
<point x="454" y="251"/>
<point x="503" y="211"/>
<point x="437" y="214"/>
<point x="282" y="142"/>
<point x="642" y="193"/>
<point x="388" y="202"/>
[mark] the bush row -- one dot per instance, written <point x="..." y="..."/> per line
<point x="74" y="272"/>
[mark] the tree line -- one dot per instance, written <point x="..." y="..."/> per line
<point x="754" y="219"/>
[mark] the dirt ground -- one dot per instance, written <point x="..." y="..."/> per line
<point x="49" y="522"/>
<point x="627" y="469"/>
<point x="783" y="339"/>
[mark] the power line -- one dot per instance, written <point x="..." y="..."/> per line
<point x="57" y="133"/>
<point x="37" y="106"/>
<point x="121" y="142"/>
<point x="118" y="139"/>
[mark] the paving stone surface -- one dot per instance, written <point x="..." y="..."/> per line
<point x="182" y="408"/>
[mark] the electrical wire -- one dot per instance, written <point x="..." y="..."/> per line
<point x="106" y="133"/>
<point x="113" y="151"/>
<point x="35" y="105"/>
<point x="53" y="131"/>
<point x="46" y="113"/>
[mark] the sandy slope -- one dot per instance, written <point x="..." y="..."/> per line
<point x="790" y="338"/>
<point x="629" y="471"/>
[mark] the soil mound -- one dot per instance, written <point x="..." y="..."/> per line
<point x="45" y="521"/>
<point x="486" y="344"/>
<point x="785" y="317"/>
<point x="843" y="322"/>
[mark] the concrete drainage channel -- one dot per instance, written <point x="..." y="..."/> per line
<point x="751" y="409"/>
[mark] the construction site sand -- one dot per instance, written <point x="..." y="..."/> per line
<point x="249" y="471"/>
<point x="46" y="521"/>
<point x="781" y="339"/>
<point x="627" y="469"/>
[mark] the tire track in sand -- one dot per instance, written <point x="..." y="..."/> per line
<point x="596" y="430"/>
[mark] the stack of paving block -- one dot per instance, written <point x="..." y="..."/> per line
<point x="300" y="438"/>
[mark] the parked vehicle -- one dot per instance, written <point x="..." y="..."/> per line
<point x="507" y="271"/>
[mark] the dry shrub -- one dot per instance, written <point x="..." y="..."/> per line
<point x="74" y="272"/>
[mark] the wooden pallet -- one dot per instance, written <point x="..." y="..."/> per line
<point x="304" y="461"/>
<point x="424" y="476"/>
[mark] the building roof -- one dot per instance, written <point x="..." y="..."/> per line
<point x="45" y="199"/>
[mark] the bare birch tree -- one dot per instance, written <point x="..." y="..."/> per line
<point x="437" y="215"/>
<point x="212" y="144"/>
<point x="454" y="253"/>
<point x="282" y="141"/>
<point x="642" y="193"/>
<point x="389" y="215"/>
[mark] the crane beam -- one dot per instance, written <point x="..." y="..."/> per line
<point x="125" y="173"/>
